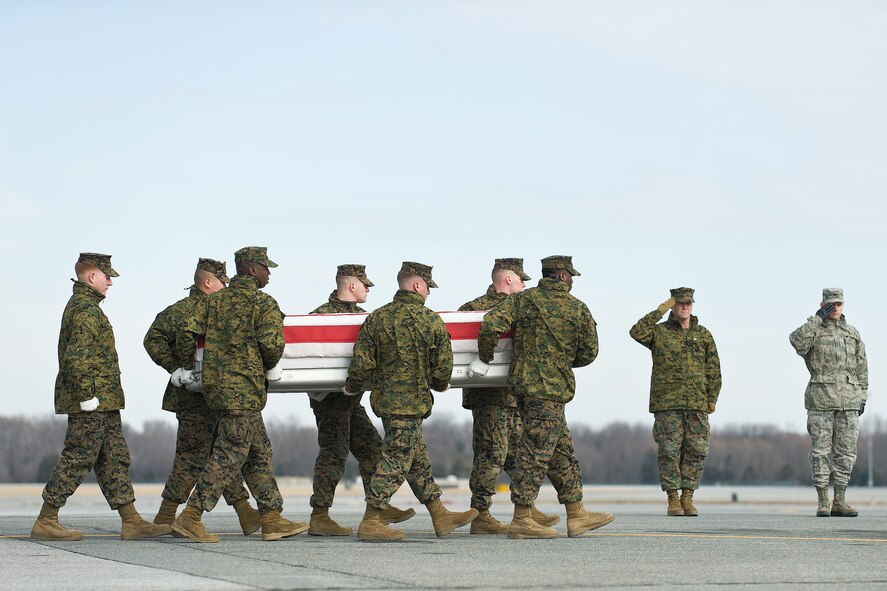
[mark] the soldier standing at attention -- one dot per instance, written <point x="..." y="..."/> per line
<point x="835" y="396"/>
<point x="342" y="422"/>
<point x="496" y="430"/>
<point x="553" y="332"/>
<point x="88" y="390"/>
<point x="197" y="423"/>
<point x="684" y="389"/>
<point x="243" y="343"/>
<point x="405" y="348"/>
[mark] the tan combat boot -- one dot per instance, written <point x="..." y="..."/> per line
<point x="542" y="518"/>
<point x="822" y="509"/>
<point x="372" y="529"/>
<point x="275" y="526"/>
<point x="446" y="521"/>
<point x="580" y="521"/>
<point x="250" y="519"/>
<point x="133" y="527"/>
<point x="167" y="512"/>
<point x="674" y="504"/>
<point x="321" y="524"/>
<point x="394" y="515"/>
<point x="485" y="523"/>
<point x="840" y="508"/>
<point x="47" y="526"/>
<point x="687" y="503"/>
<point x="523" y="527"/>
<point x="188" y="525"/>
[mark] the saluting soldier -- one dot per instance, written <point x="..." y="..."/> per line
<point x="342" y="422"/>
<point x="196" y="422"/>
<point x="88" y="390"/>
<point x="405" y="348"/>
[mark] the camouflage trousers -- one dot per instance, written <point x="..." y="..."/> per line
<point x="241" y="447"/>
<point x="496" y="435"/>
<point x="404" y="457"/>
<point x="342" y="426"/>
<point x="94" y="440"/>
<point x="833" y="432"/>
<point x="546" y="449"/>
<point x="194" y="444"/>
<point x="682" y="437"/>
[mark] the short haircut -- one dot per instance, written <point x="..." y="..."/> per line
<point x="200" y="275"/>
<point x="405" y="279"/>
<point x="83" y="269"/>
<point x="551" y="273"/>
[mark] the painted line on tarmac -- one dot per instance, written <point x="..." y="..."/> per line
<point x="111" y="535"/>
<point x="736" y="537"/>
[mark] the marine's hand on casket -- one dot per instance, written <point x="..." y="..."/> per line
<point x="478" y="369"/>
<point x="275" y="374"/>
<point x="89" y="405"/>
<point x="181" y="377"/>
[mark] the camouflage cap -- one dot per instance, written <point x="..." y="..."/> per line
<point x="423" y="271"/>
<point x="254" y="254"/>
<point x="832" y="294"/>
<point x="683" y="295"/>
<point x="560" y="262"/>
<point x="215" y="267"/>
<point x="358" y="271"/>
<point x="102" y="261"/>
<point x="516" y="265"/>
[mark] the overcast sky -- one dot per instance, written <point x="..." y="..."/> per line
<point x="734" y="147"/>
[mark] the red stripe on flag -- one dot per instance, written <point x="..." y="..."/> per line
<point x="321" y="334"/>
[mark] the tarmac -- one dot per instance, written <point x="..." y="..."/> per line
<point x="745" y="538"/>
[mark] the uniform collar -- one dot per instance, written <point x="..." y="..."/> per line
<point x="82" y="289"/>
<point x="336" y="301"/>
<point x="408" y="297"/>
<point x="553" y="284"/>
<point x="244" y="282"/>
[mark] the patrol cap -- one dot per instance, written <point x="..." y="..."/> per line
<point x="254" y="254"/>
<point x="423" y="271"/>
<point x="560" y="262"/>
<point x="832" y="294"/>
<point x="102" y="261"/>
<point x="215" y="267"/>
<point x="358" y="271"/>
<point x="683" y="295"/>
<point x="516" y="265"/>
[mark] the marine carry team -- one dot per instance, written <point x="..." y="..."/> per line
<point x="405" y="349"/>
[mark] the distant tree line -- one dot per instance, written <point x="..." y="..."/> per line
<point x="618" y="453"/>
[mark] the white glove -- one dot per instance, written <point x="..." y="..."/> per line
<point x="318" y="396"/>
<point x="89" y="405"/>
<point x="478" y="369"/>
<point x="275" y="374"/>
<point x="181" y="377"/>
<point x="347" y="393"/>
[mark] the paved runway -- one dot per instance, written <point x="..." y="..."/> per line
<point x="767" y="539"/>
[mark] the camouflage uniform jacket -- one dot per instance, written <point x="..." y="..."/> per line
<point x="243" y="330"/>
<point x="486" y="396"/>
<point x="88" y="365"/>
<point x="835" y="357"/>
<point x="553" y="332"/>
<point x="337" y="306"/>
<point x="686" y="367"/>
<point x="404" y="346"/>
<point x="161" y="344"/>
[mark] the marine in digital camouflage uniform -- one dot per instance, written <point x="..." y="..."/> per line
<point x="552" y="332"/>
<point x="196" y="424"/>
<point x="243" y="339"/>
<point x="684" y="389"/>
<point x="496" y="426"/>
<point x="342" y="421"/>
<point x="405" y="348"/>
<point x="835" y="397"/>
<point x="88" y="390"/>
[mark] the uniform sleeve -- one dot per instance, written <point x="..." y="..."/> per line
<point x="643" y="331"/>
<point x="269" y="332"/>
<point x="441" y="357"/>
<point x="79" y="358"/>
<point x="802" y="338"/>
<point x="193" y="325"/>
<point x="363" y="361"/>
<point x="588" y="341"/>
<point x="159" y="343"/>
<point x="712" y="371"/>
<point x="495" y="323"/>
<point x="862" y="369"/>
